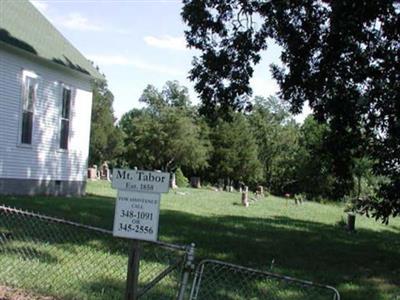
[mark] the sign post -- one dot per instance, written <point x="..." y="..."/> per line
<point x="137" y="212"/>
<point x="132" y="277"/>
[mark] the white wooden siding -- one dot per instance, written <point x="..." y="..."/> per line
<point x="43" y="160"/>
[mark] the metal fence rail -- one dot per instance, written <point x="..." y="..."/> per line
<point x="69" y="260"/>
<point x="56" y="257"/>
<point x="220" y="280"/>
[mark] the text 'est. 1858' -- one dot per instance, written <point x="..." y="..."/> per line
<point x="140" y="181"/>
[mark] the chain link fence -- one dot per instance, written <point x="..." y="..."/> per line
<point x="219" y="280"/>
<point x="68" y="260"/>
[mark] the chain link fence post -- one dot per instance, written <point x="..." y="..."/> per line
<point x="187" y="269"/>
<point x="64" y="259"/>
<point x="77" y="261"/>
<point x="219" y="280"/>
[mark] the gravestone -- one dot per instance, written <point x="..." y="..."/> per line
<point x="172" y="182"/>
<point x="195" y="182"/>
<point x="351" y="222"/>
<point x="245" y="197"/>
<point x="105" y="172"/>
<point x="260" y="191"/>
<point x="92" y="173"/>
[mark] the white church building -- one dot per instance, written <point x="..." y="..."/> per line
<point x="45" y="106"/>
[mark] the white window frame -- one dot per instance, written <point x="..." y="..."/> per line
<point x="27" y="76"/>
<point x="61" y="103"/>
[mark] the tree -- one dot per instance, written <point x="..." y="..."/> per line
<point x="172" y="95"/>
<point x="314" y="163"/>
<point x="164" y="135"/>
<point x="340" y="56"/>
<point x="276" y="135"/>
<point x="364" y="178"/>
<point x="284" y="165"/>
<point x="235" y="154"/>
<point x="105" y="137"/>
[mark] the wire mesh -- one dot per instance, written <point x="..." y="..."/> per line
<point x="219" y="280"/>
<point x="72" y="261"/>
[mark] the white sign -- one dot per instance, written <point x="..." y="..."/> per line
<point x="140" y="181"/>
<point x="136" y="215"/>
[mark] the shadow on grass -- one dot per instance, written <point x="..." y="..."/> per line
<point x="98" y="252"/>
<point x="29" y="253"/>
<point x="360" y="265"/>
<point x="109" y="289"/>
<point x="396" y="228"/>
<point x="363" y="265"/>
<point x="91" y="210"/>
<point x="29" y="236"/>
<point x="106" y="289"/>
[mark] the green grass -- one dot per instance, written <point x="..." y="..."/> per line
<point x="305" y="241"/>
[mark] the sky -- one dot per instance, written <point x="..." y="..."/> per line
<point x="139" y="42"/>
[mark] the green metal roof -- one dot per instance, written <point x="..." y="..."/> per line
<point x="24" y="27"/>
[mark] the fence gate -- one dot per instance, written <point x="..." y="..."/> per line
<point x="68" y="260"/>
<point x="219" y="280"/>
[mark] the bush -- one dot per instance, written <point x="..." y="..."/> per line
<point x="267" y="192"/>
<point x="181" y="180"/>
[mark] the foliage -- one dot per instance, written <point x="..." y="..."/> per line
<point x="365" y="181"/>
<point x="277" y="139"/>
<point x="340" y="56"/>
<point x="164" y="135"/>
<point x="181" y="180"/>
<point x="304" y="240"/>
<point x="283" y="166"/>
<point x="105" y="137"/>
<point x="234" y="154"/>
<point x="172" y="95"/>
<point x="314" y="163"/>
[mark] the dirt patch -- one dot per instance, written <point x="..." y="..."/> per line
<point x="7" y="293"/>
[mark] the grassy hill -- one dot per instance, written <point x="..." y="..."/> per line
<point x="306" y="241"/>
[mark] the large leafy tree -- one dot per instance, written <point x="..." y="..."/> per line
<point x="164" y="135"/>
<point x="105" y="138"/>
<point x="277" y="138"/>
<point x="314" y="163"/>
<point x="172" y="95"/>
<point x="341" y="56"/>
<point x="284" y="164"/>
<point x="234" y="155"/>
